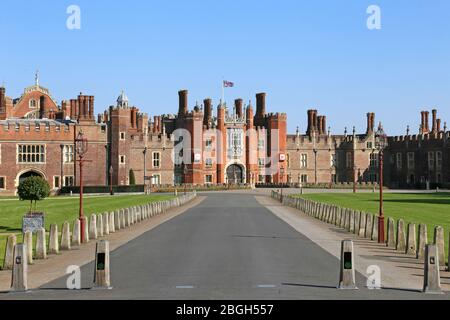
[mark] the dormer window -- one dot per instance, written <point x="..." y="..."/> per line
<point x="33" y="104"/>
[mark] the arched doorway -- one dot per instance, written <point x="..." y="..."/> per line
<point x="30" y="173"/>
<point x="235" y="174"/>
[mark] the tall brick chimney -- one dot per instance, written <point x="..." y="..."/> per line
<point x="207" y="117"/>
<point x="238" y="104"/>
<point x="370" y="123"/>
<point x="434" y="128"/>
<point x="183" y="102"/>
<point x="324" y="125"/>
<point x="312" y="118"/>
<point x="438" y="125"/>
<point x="427" y="122"/>
<point x="91" y="107"/>
<point x="2" y="103"/>
<point x="133" y="119"/>
<point x="319" y="124"/>
<point x="261" y="104"/>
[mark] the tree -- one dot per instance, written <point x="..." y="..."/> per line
<point x="33" y="189"/>
<point x="132" y="178"/>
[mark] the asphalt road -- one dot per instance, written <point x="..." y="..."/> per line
<point x="228" y="247"/>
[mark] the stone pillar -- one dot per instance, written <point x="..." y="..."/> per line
<point x="357" y="218"/>
<point x="411" y="248"/>
<point x="93" y="227"/>
<point x="41" y="245"/>
<point x="28" y="241"/>
<point x="53" y="245"/>
<point x="439" y="242"/>
<point x="401" y="236"/>
<point x="76" y="235"/>
<point x="374" y="235"/>
<point x="102" y="266"/>
<point x="105" y="218"/>
<point x="86" y="229"/>
<point x="369" y="222"/>
<point x="11" y="242"/>
<point x="362" y="225"/>
<point x="423" y="241"/>
<point x="391" y="233"/>
<point x="65" y="236"/>
<point x="112" y="227"/>
<point x="99" y="226"/>
<point x="19" y="282"/>
<point x="432" y="278"/>
<point x="117" y="220"/>
<point x="347" y="274"/>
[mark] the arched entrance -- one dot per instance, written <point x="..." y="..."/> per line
<point x="29" y="173"/>
<point x="235" y="174"/>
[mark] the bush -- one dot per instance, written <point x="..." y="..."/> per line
<point x="33" y="189"/>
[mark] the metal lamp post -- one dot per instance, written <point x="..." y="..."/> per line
<point x="81" y="146"/>
<point x="381" y="144"/>
<point x="111" y="171"/>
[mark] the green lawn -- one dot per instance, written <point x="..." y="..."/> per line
<point x="431" y="209"/>
<point x="60" y="209"/>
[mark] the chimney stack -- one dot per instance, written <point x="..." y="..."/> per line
<point x="370" y="123"/>
<point x="319" y="124"/>
<point x="238" y="104"/>
<point x="207" y="118"/>
<point x="91" y="107"/>
<point x="438" y="125"/>
<point x="324" y="125"/>
<point x="261" y="105"/>
<point x="434" y="129"/>
<point x="183" y="102"/>
<point x="312" y="117"/>
<point x="427" y="122"/>
<point x="422" y="122"/>
<point x="2" y="100"/>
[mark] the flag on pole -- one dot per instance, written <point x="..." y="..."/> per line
<point x="228" y="84"/>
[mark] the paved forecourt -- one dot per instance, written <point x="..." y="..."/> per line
<point x="230" y="246"/>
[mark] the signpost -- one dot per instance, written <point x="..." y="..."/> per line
<point x="33" y="222"/>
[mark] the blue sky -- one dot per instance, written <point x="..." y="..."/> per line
<point x="302" y="53"/>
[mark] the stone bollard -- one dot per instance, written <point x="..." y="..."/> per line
<point x="356" y="218"/>
<point x="432" y="278"/>
<point x="99" y="226"/>
<point x="19" y="280"/>
<point x="375" y="224"/>
<point x="362" y="225"/>
<point x="391" y="234"/>
<point x="423" y="241"/>
<point x="128" y="217"/>
<point x="65" y="236"/>
<point x="439" y="242"/>
<point x="369" y="222"/>
<point x="352" y="222"/>
<point x="401" y="236"/>
<point x="112" y="227"/>
<point x="347" y="273"/>
<point x="105" y="218"/>
<point x="28" y="241"/>
<point x="76" y="234"/>
<point x="122" y="219"/>
<point x="411" y="244"/>
<point x="86" y="229"/>
<point x="102" y="266"/>
<point x="11" y="242"/>
<point x="41" y="245"/>
<point x="93" y="230"/>
<point x="116" y="220"/>
<point x="53" y="244"/>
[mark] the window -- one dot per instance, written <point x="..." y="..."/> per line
<point x="33" y="104"/>
<point x="69" y="181"/>
<point x="430" y="160"/>
<point x="121" y="159"/>
<point x="156" y="179"/>
<point x="209" y="163"/>
<point x="208" y="179"/>
<point x="261" y="178"/>
<point x="399" y="161"/>
<point x="261" y="162"/>
<point x="304" y="178"/>
<point x="31" y="153"/>
<point x="373" y="177"/>
<point x="122" y="136"/>
<point x="439" y="160"/>
<point x="208" y="143"/>
<point x="373" y="160"/>
<point x="2" y="183"/>
<point x="304" y="161"/>
<point x="56" y="182"/>
<point x="369" y="145"/>
<point x="349" y="160"/>
<point x="156" y="159"/>
<point x="411" y="162"/>
<point x="261" y="144"/>
<point x="68" y="153"/>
